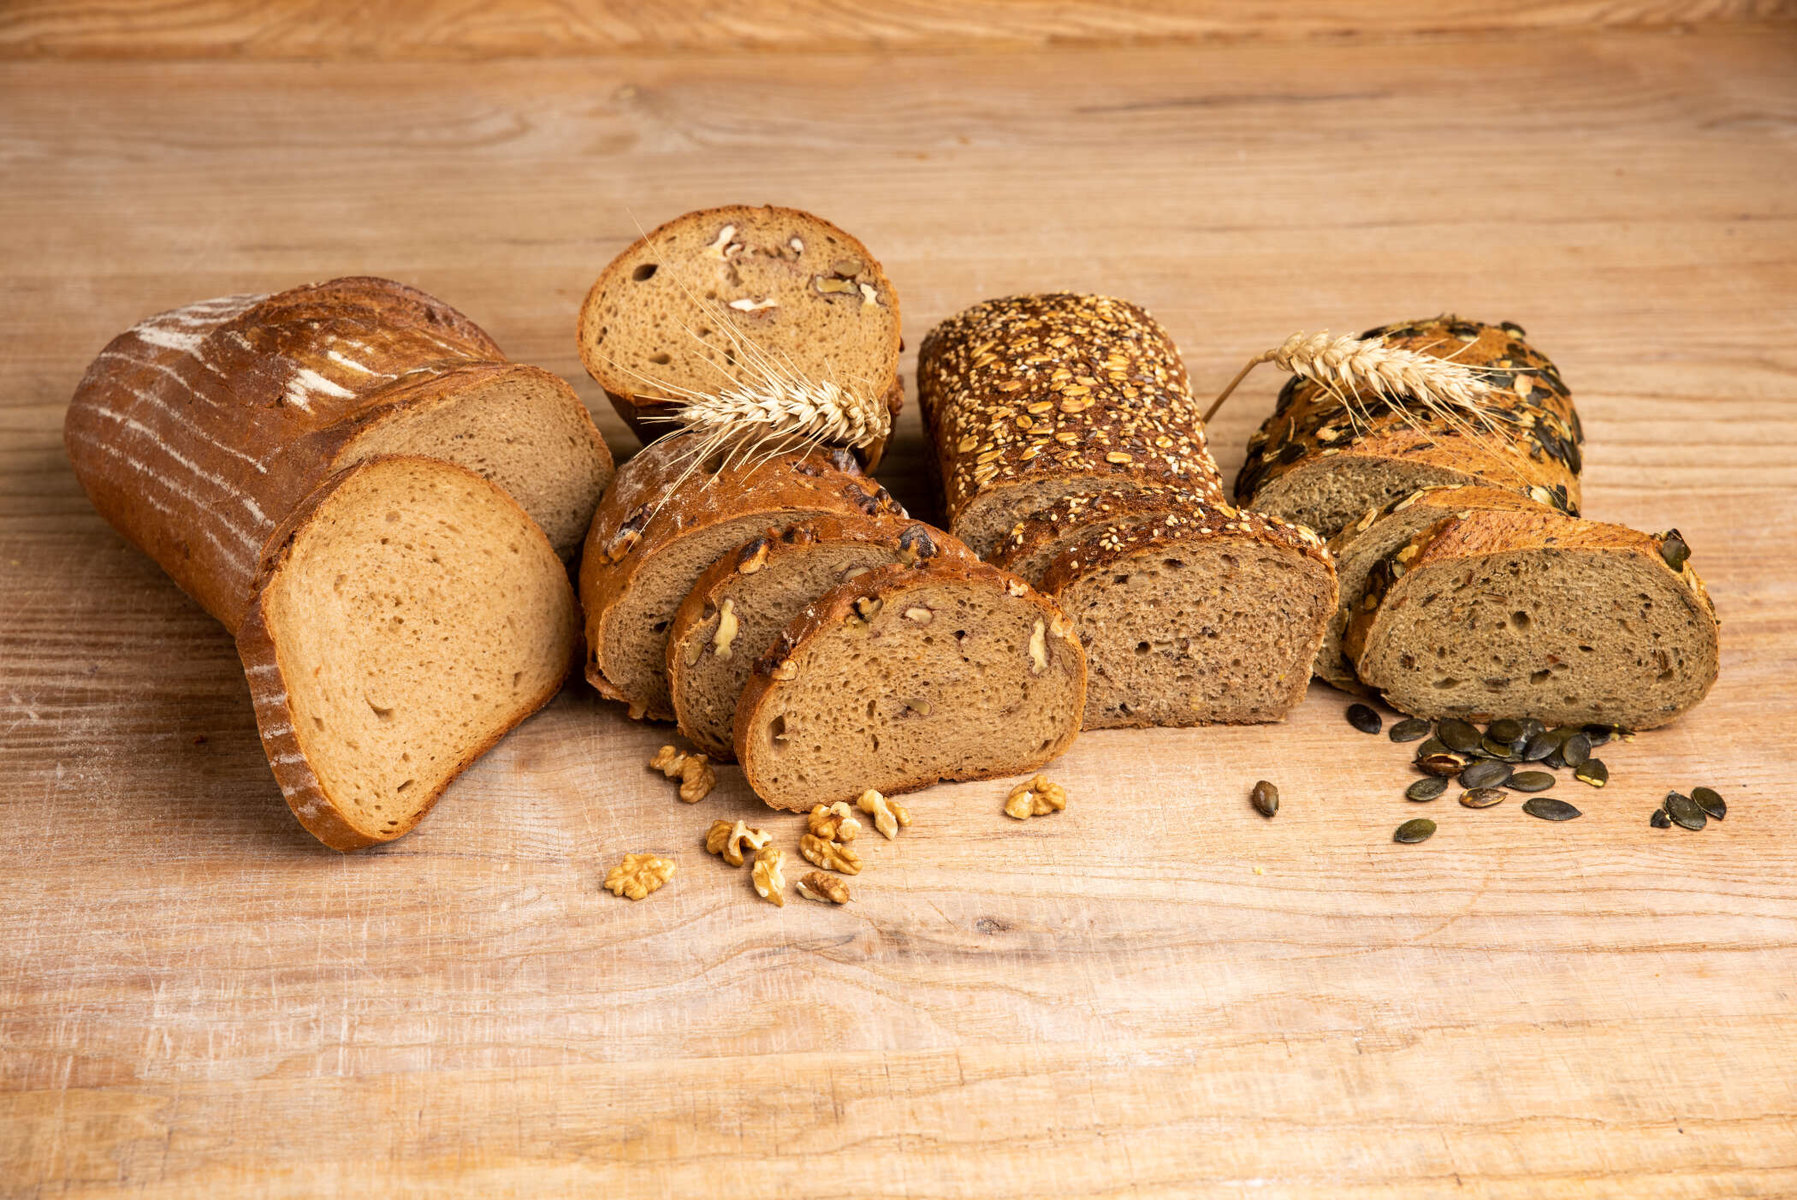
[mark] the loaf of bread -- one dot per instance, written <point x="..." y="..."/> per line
<point x="196" y="432"/>
<point x="668" y="516"/>
<point x="1311" y="462"/>
<point x="1536" y="614"/>
<point x="908" y="675"/>
<point x="1204" y="616"/>
<point x="747" y="597"/>
<point x="1037" y="540"/>
<point x="1034" y="398"/>
<point x="703" y="302"/>
<point x="407" y="614"/>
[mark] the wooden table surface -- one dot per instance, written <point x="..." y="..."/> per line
<point x="1155" y="993"/>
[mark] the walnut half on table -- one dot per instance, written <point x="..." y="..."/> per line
<point x="638" y="875"/>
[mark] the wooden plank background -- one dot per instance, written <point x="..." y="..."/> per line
<point x="1155" y="993"/>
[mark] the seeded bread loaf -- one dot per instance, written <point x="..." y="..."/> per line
<point x="686" y="307"/>
<point x="1205" y="616"/>
<point x="909" y="675"/>
<point x="1310" y="463"/>
<point x="407" y="613"/>
<point x="1031" y="399"/>
<point x="196" y="432"/>
<point x="666" y="518"/>
<point x="1537" y="614"/>
<point x="1037" y="540"/>
<point x="744" y="599"/>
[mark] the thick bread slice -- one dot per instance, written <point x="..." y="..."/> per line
<point x="1037" y="540"/>
<point x="1537" y="614"/>
<point x="1208" y="617"/>
<point x="1379" y="532"/>
<point x="744" y="599"/>
<point x="1031" y="399"/>
<point x="906" y="676"/>
<point x="665" y="519"/>
<point x="196" y="432"/>
<point x="1310" y="463"/>
<point x="661" y="317"/>
<point x="407" y="615"/>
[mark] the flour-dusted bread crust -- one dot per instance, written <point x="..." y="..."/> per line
<point x="1037" y="540"/>
<point x="906" y="676"/>
<point x="666" y="518"/>
<point x="784" y="281"/>
<point x="406" y="615"/>
<point x="1205" y="616"/>
<point x="196" y="432"/>
<point x="746" y="598"/>
<point x="1537" y="614"/>
<point x="1309" y="463"/>
<point x="1030" y="399"/>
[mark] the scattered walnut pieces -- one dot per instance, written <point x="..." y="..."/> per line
<point x="834" y="822"/>
<point x="888" y="817"/>
<point x="693" y="770"/>
<point x="832" y="856"/>
<point x="726" y="839"/>
<point x="769" y="883"/>
<point x="1035" y="798"/>
<point x="638" y="875"/>
<point x="826" y="888"/>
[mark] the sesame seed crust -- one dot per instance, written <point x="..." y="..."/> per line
<point x="1037" y="540"/>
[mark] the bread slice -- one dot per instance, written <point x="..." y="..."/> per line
<point x="1207" y="617"/>
<point x="1537" y="614"/>
<point x="744" y="599"/>
<point x="1373" y="537"/>
<point x="681" y="307"/>
<point x="667" y="517"/>
<point x="407" y="615"/>
<point x="1037" y="540"/>
<point x="905" y="676"/>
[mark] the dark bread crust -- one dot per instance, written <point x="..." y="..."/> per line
<point x="1030" y="548"/>
<point x="322" y="817"/>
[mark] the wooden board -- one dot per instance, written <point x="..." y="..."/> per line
<point x="1155" y="993"/>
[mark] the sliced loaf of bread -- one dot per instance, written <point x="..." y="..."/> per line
<point x="746" y="598"/>
<point x="406" y="614"/>
<point x="1037" y="540"/>
<point x="1537" y="614"/>
<point x="905" y="676"/>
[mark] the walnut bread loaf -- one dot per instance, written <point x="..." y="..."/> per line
<point x="406" y="615"/>
<point x="669" y="515"/>
<point x="196" y="432"/>
<point x="699" y="304"/>
<point x="1206" y="616"/>
<point x="746" y="598"/>
<point x="1537" y="614"/>
<point x="1313" y="463"/>
<point x="909" y="675"/>
<point x="1031" y="399"/>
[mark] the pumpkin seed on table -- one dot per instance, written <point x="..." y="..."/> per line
<point x="1417" y="829"/>
<point x="1710" y="800"/>
<point x="1485" y="774"/>
<point x="1508" y="731"/>
<point x="1660" y="820"/>
<point x="1433" y="746"/>
<point x="1529" y="781"/>
<point x="1364" y="719"/>
<point x="1458" y="735"/>
<point x="1539" y="747"/>
<point x="1530" y="727"/>
<point x="1575" y="750"/>
<point x="1593" y="772"/>
<point x="1673" y="549"/>
<point x="1426" y="789"/>
<point x="1265" y="799"/>
<point x="1684" y="811"/>
<point x="1550" y="809"/>
<point x="1444" y="765"/>
<point x="1492" y="748"/>
<point x="1483" y="797"/>
<point x="1597" y="735"/>
<point x="1410" y="729"/>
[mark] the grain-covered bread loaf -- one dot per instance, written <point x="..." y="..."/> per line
<point x="909" y="675"/>
<point x="407" y="613"/>
<point x="1309" y="462"/>
<point x="1209" y="615"/>
<point x="196" y="432"/>
<point x="1030" y="399"/>
<point x="1040" y="538"/>
<point x="747" y="597"/>
<point x="691" y="306"/>
<point x="668" y="516"/>
<point x="1537" y="614"/>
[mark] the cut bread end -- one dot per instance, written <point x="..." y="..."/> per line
<point x="990" y="517"/>
<point x="408" y="615"/>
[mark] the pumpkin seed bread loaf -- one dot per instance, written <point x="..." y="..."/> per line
<point x="695" y="304"/>
<point x="744" y="599"/>
<point x="1206" y="616"/>
<point x="1309" y="462"/>
<point x="670" y="514"/>
<point x="1030" y="399"/>
<point x="1037" y="540"/>
<point x="908" y="675"/>
<point x="1537" y="614"/>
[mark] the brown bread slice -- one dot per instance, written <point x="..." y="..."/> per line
<point x="744" y="599"/>
<point x="673" y="310"/>
<point x="1309" y="463"/>
<point x="666" y="518"/>
<point x="407" y="615"/>
<point x="906" y="676"/>
<point x="1209" y="617"/>
<point x="1537" y="614"/>
<point x="1037" y="540"/>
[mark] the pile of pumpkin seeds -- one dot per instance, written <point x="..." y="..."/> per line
<point x="1695" y="811"/>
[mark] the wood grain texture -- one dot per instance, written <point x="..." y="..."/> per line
<point x="1154" y="993"/>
